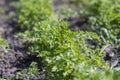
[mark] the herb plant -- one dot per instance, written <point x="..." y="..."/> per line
<point x="67" y="55"/>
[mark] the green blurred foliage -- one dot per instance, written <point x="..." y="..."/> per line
<point x="66" y="55"/>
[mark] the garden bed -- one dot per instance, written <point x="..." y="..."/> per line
<point x="59" y="40"/>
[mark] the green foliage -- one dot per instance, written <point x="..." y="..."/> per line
<point x="31" y="73"/>
<point x="104" y="17"/>
<point x="3" y="44"/>
<point x="65" y="12"/>
<point x="33" y="11"/>
<point x="2" y="79"/>
<point x="66" y="54"/>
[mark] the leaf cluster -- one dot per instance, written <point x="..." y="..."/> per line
<point x="66" y="54"/>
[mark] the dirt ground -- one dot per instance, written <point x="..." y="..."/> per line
<point x="16" y="58"/>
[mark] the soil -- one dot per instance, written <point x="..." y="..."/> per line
<point x="77" y="22"/>
<point x="16" y="58"/>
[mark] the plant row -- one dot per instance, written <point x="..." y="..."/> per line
<point x="69" y="55"/>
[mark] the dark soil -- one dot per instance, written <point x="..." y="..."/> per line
<point x="77" y="22"/>
<point x="16" y="58"/>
